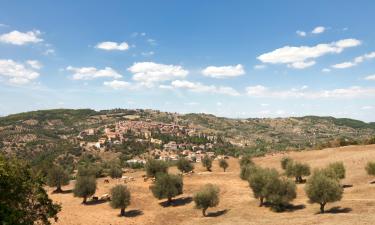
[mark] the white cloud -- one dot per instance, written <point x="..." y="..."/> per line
<point x="370" y="77"/>
<point x="17" y="73"/>
<point x="303" y="92"/>
<point x="259" y="67"/>
<point x="326" y="70"/>
<point x="303" y="56"/>
<point x="89" y="73"/>
<point x="223" y="71"/>
<point x="301" y="33"/>
<point x="355" y="61"/>
<point x="117" y="84"/>
<point x="367" y="107"/>
<point x="318" y="30"/>
<point x="35" y="64"/>
<point x="198" y="87"/>
<point x="148" y="73"/>
<point x="110" y="46"/>
<point x="49" y="51"/>
<point x="148" y="54"/>
<point x="18" y="38"/>
<point x="151" y="41"/>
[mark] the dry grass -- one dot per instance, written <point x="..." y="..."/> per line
<point x="237" y="206"/>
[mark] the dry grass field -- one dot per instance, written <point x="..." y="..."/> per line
<point x="237" y="205"/>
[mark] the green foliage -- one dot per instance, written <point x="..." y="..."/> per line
<point x="154" y="167"/>
<point x="95" y="170"/>
<point x="57" y="177"/>
<point x="207" y="162"/>
<point x="285" y="161"/>
<point x="297" y="170"/>
<point x="207" y="196"/>
<point x="260" y="180"/>
<point x="120" y="198"/>
<point x="280" y="192"/>
<point x="338" y="168"/>
<point x="184" y="165"/>
<point x="223" y="164"/>
<point x="246" y="171"/>
<point x="246" y="161"/>
<point x="85" y="187"/>
<point x="23" y="200"/>
<point x="167" y="186"/>
<point x="322" y="189"/>
<point x="370" y="168"/>
<point x="115" y="171"/>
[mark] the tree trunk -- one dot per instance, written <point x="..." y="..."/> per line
<point x="224" y="169"/>
<point x="261" y="202"/>
<point x="322" y="207"/>
<point x="204" y="212"/>
<point x="84" y="200"/>
<point x="169" y="200"/>
<point x="122" y="212"/>
<point x="58" y="189"/>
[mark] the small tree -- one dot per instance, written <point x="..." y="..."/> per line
<point x="246" y="171"/>
<point x="279" y="192"/>
<point x="285" y="161"/>
<point x="167" y="186"/>
<point x="258" y="182"/>
<point x="207" y="196"/>
<point x="120" y="198"/>
<point x="297" y="170"/>
<point x="370" y="168"/>
<point x="184" y="165"/>
<point x="207" y="162"/>
<point x="154" y="166"/>
<point x="322" y="189"/>
<point x="115" y="172"/>
<point x="85" y="187"/>
<point x="338" y="168"/>
<point x="57" y="177"/>
<point x="223" y="164"/>
<point x="246" y="161"/>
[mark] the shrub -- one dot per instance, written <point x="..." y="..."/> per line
<point x="246" y="171"/>
<point x="167" y="186"/>
<point x="246" y="161"/>
<point x="297" y="170"/>
<point x="85" y="187"/>
<point x="285" y="161"/>
<point x="120" y="198"/>
<point x="322" y="189"/>
<point x="56" y="177"/>
<point x="370" y="168"/>
<point x="184" y="165"/>
<point x="154" y="166"/>
<point x="223" y="164"/>
<point x="207" y="162"/>
<point x="338" y="168"/>
<point x="207" y="196"/>
<point x="115" y="172"/>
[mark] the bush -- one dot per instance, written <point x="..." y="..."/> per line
<point x="370" y="168"/>
<point x="85" y="187"/>
<point x="322" y="189"/>
<point x="338" y="168"/>
<point x="258" y="182"/>
<point x="280" y="192"/>
<point x="285" y="161"/>
<point x="223" y="164"/>
<point x="246" y="161"/>
<point x="120" y="198"/>
<point x="207" y="196"/>
<point x="57" y="177"/>
<point x="207" y="162"/>
<point x="154" y="166"/>
<point x="297" y="170"/>
<point x="115" y="172"/>
<point x="184" y="165"/>
<point x="167" y="186"/>
<point x="246" y="171"/>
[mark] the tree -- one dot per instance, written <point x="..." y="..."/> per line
<point x="246" y="171"/>
<point x="285" y="161"/>
<point x="56" y="177"/>
<point x="207" y="196"/>
<point x="85" y="187"/>
<point x="338" y="168"/>
<point x="279" y="192"/>
<point x="297" y="170"/>
<point x="154" y="166"/>
<point x="370" y="168"/>
<point x="23" y="200"/>
<point x="246" y="161"/>
<point x="223" y="164"/>
<point x="167" y="186"/>
<point x="322" y="189"/>
<point x="207" y="162"/>
<point x="120" y="198"/>
<point x="115" y="172"/>
<point x="259" y="181"/>
<point x="184" y="165"/>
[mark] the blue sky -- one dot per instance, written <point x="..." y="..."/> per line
<point x="229" y="58"/>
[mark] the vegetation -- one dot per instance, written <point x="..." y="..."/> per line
<point x="207" y="196"/>
<point x="260" y="180"/>
<point x="338" y="168"/>
<point x="85" y="187"/>
<point x="322" y="189"/>
<point x="370" y="168"/>
<point x="297" y="170"/>
<point x="115" y="172"/>
<point x="223" y="164"/>
<point x="23" y="199"/>
<point x="57" y="177"/>
<point x="246" y="171"/>
<point x="280" y="192"/>
<point x="167" y="186"/>
<point x="285" y="161"/>
<point x="154" y="167"/>
<point x="120" y="198"/>
<point x="246" y="161"/>
<point x="184" y="165"/>
<point x="207" y="162"/>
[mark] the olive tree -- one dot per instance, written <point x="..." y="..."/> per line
<point x="246" y="171"/>
<point x="207" y="196"/>
<point x="167" y="186"/>
<point x="370" y="168"/>
<point x="207" y="162"/>
<point x="154" y="166"/>
<point x="57" y="177"/>
<point x="120" y="198"/>
<point x="322" y="189"/>
<point x="259" y="180"/>
<point x="279" y="192"/>
<point x="285" y="161"/>
<point x="184" y="165"/>
<point x="297" y="170"/>
<point x="223" y="164"/>
<point x="338" y="168"/>
<point x="115" y="172"/>
<point x="85" y="187"/>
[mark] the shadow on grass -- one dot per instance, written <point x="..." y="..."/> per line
<point x="347" y="185"/>
<point x="96" y="202"/>
<point x="133" y="213"/>
<point x="338" y="209"/>
<point x="63" y="191"/>
<point x="292" y="208"/>
<point x="372" y="182"/>
<point x="217" y="213"/>
<point x="177" y="202"/>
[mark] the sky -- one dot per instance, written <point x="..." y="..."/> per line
<point x="236" y="59"/>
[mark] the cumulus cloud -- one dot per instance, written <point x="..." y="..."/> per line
<point x="110" y="46"/>
<point x="18" y="38"/>
<point x="89" y="73"/>
<point x="148" y="73"/>
<point x="303" y="56"/>
<point x="198" y="87"/>
<point x="318" y="30"/>
<point x="301" y="33"/>
<point x="17" y="73"/>
<point x="117" y="84"/>
<point x="223" y="71"/>
<point x="355" y="61"/>
<point x="303" y="92"/>
<point x="370" y="77"/>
